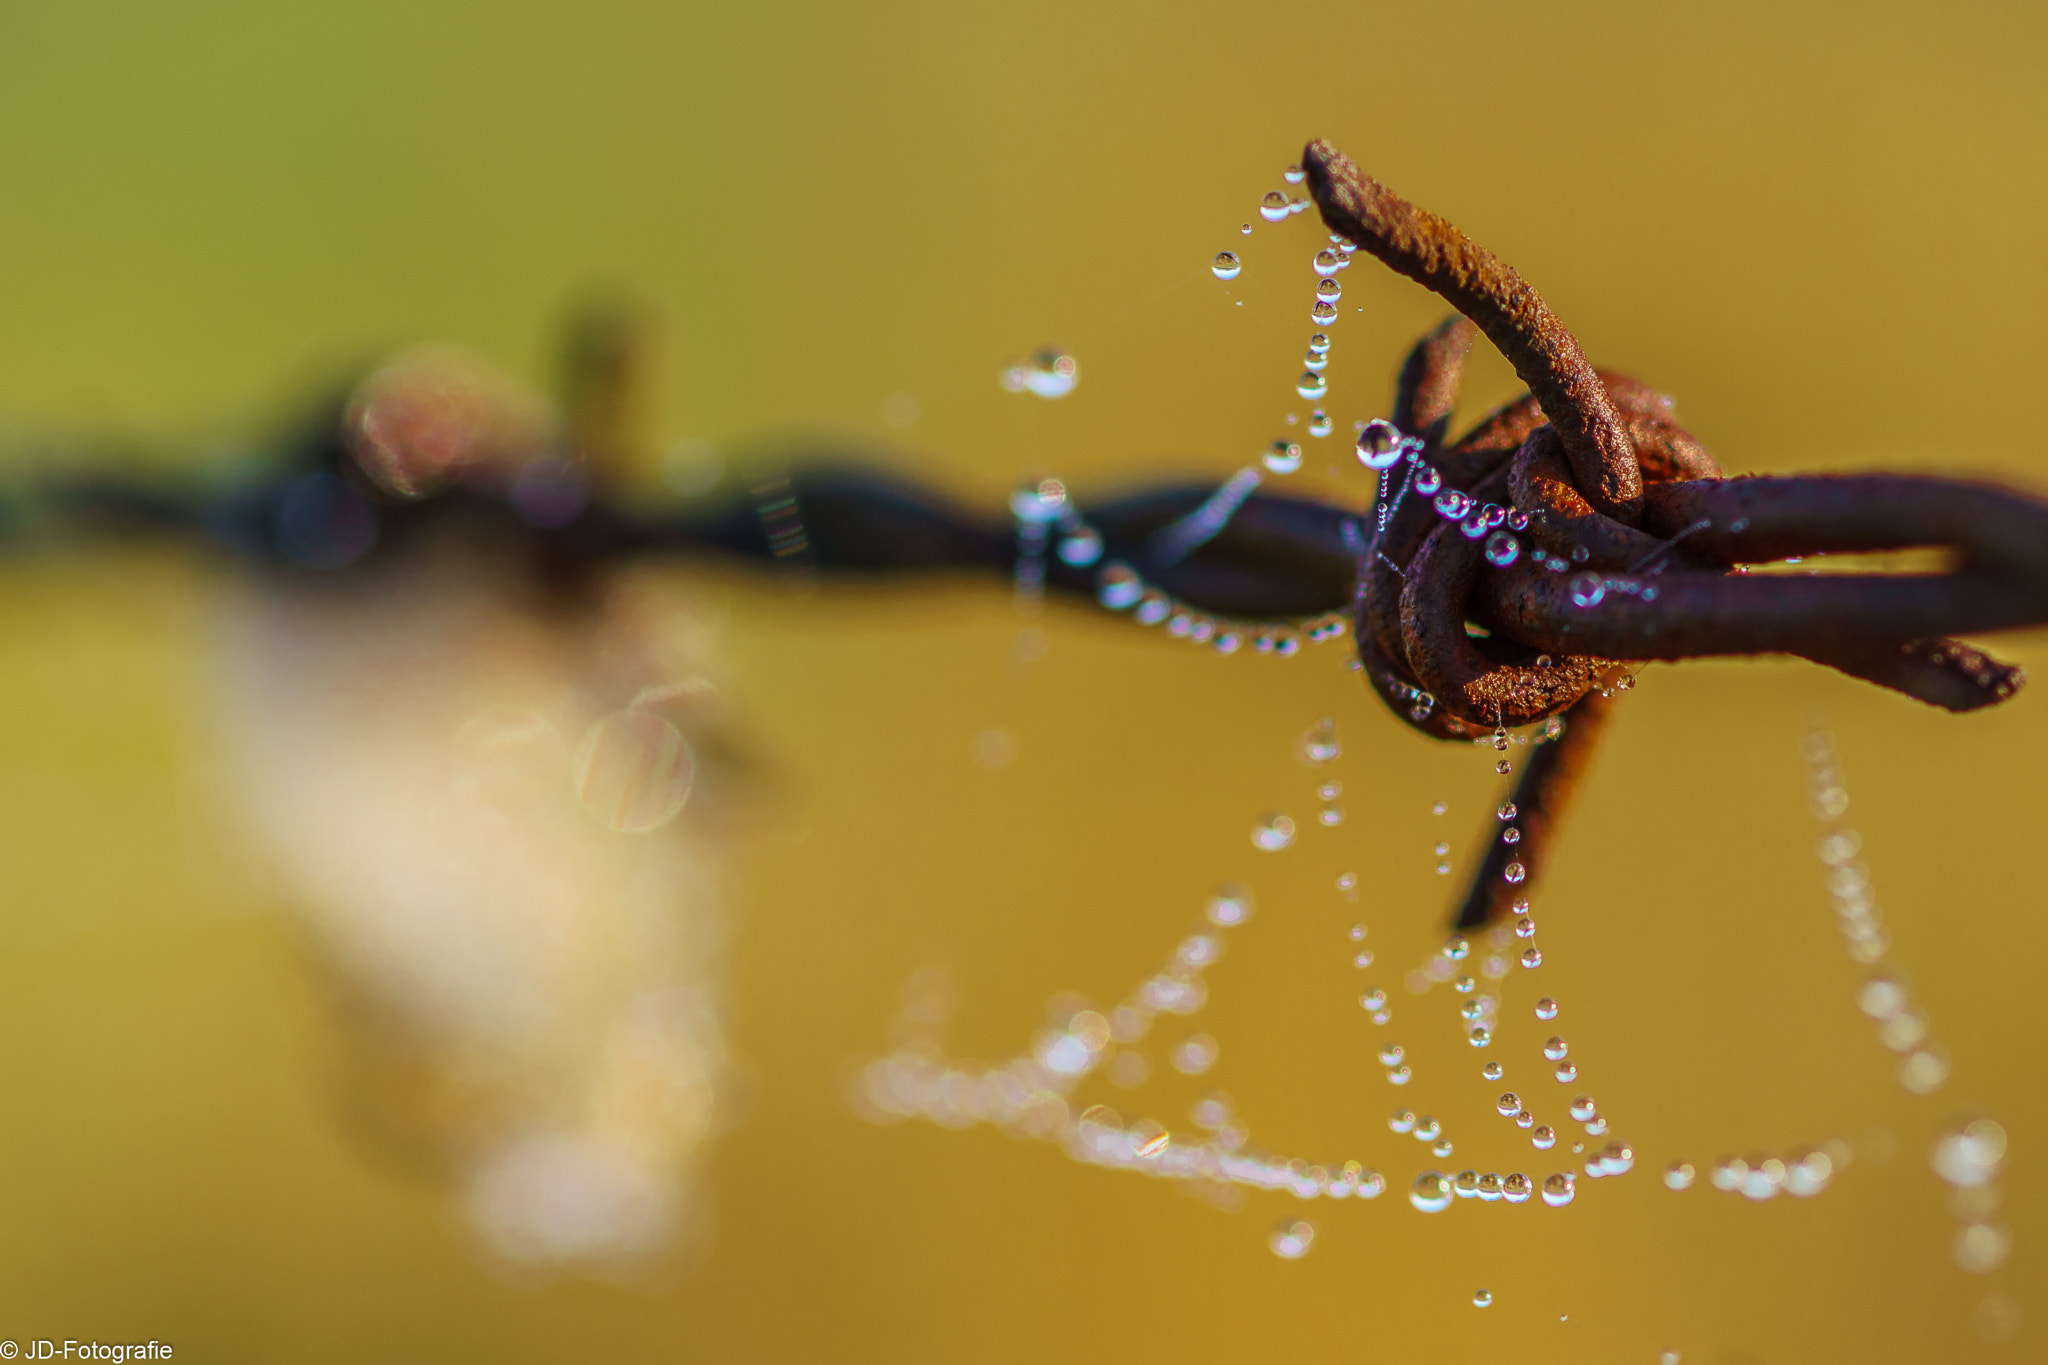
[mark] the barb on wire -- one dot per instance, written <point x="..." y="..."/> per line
<point x="1498" y="578"/>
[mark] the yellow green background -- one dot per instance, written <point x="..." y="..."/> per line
<point x="1822" y="227"/>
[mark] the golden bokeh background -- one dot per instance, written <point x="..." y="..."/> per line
<point x="1820" y="226"/>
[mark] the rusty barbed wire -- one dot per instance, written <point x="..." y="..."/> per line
<point x="1638" y="541"/>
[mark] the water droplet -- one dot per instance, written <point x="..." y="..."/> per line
<point x="1427" y="480"/>
<point x="1678" y="1176"/>
<point x="1546" y="1008"/>
<point x="1516" y="1188"/>
<point x="1586" y="589"/>
<point x="1230" y="906"/>
<point x="1273" y="833"/>
<point x="1431" y="1192"/>
<point x="1502" y="549"/>
<point x="1532" y="957"/>
<point x="1319" y="423"/>
<point x="1399" y="1075"/>
<point x="1559" y="1189"/>
<point x="1463" y="985"/>
<point x="1543" y="1138"/>
<point x="1455" y="948"/>
<point x="1451" y="504"/>
<point x="1273" y="208"/>
<point x="1403" y="1121"/>
<point x="1311" y="385"/>
<point x="1567" y="1072"/>
<point x="1291" y="1240"/>
<point x="634" y="770"/>
<point x="1583" y="1108"/>
<point x="1227" y="265"/>
<point x="1924" y="1072"/>
<point x="1320" y="744"/>
<point x="1439" y="808"/>
<point x="1491" y="1071"/>
<point x="1194" y="1055"/>
<point x="1482" y="1298"/>
<point x="1507" y="810"/>
<point x="1374" y="1000"/>
<point x="1283" y="457"/>
<point x="1049" y="374"/>
<point x="1970" y="1156"/>
<point x="1479" y="1037"/>
<point x="1391" y="1054"/>
<point x="1293" y="175"/>
<point x="1509" y="1104"/>
<point x="1328" y="262"/>
<point x="1525" y="927"/>
<point x="1323" y="314"/>
<point x="1080" y="549"/>
<point x="1504" y="768"/>
<point x="1329" y="289"/>
<point x="1246" y="229"/>
<point x="1555" y="1049"/>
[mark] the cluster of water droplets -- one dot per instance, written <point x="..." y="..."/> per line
<point x="1968" y="1158"/>
<point x="1901" y="1026"/>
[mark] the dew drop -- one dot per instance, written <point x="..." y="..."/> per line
<point x="1543" y="1138"/>
<point x="1559" y="1189"/>
<point x="1567" y="1072"/>
<point x="1311" y="385"/>
<point x="1293" y="175"/>
<point x="1319" y="744"/>
<point x="1532" y="957"/>
<point x="1273" y="833"/>
<point x="1509" y="1104"/>
<point x="1513" y="873"/>
<point x="1479" y="1037"/>
<point x="1504" y="768"/>
<point x="1586" y="589"/>
<point x="1231" y="905"/>
<point x="1431" y="1192"/>
<point x="1491" y="1071"/>
<point x="1516" y="1188"/>
<point x="1291" y="1240"/>
<point x="1502" y="549"/>
<point x="1283" y="457"/>
<point x="1323" y="314"/>
<point x="1226" y="266"/>
<point x="1403" y="1121"/>
<point x="1583" y="1108"/>
<point x="1273" y="208"/>
<point x="1678" y="1176"/>
<point x="1482" y="1298"/>
<point x="1555" y="1049"/>
<point x="1546" y="1008"/>
<point x="1319" y="423"/>
<point x="1329" y="289"/>
<point x="1328" y="262"/>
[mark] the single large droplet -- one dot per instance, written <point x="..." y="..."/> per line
<point x="1323" y="314"/>
<point x="1502" y="549"/>
<point x="1227" y="265"/>
<point x="1379" y="444"/>
<point x="1482" y="1298"/>
<point x="1319" y="421"/>
<point x="1273" y="208"/>
<point x="1431" y="1192"/>
<point x="634" y="770"/>
<point x="1559" y="1189"/>
<point x="1311" y="385"/>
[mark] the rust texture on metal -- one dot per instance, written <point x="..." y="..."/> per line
<point x="1640" y="544"/>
